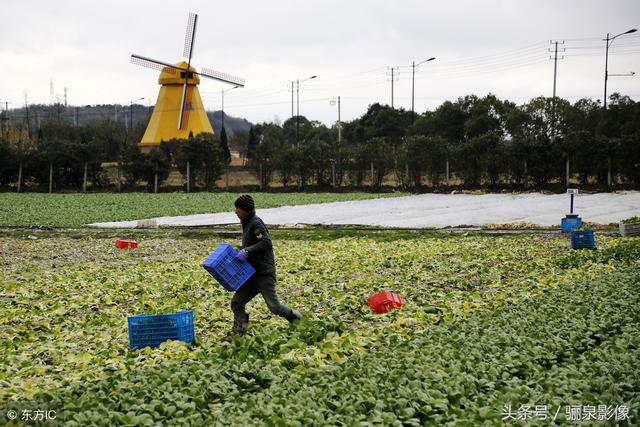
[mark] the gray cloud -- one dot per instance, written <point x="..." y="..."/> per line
<point x="481" y="46"/>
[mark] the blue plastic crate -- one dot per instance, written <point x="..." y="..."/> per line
<point x="569" y="224"/>
<point x="152" y="330"/>
<point x="226" y="269"/>
<point x="583" y="239"/>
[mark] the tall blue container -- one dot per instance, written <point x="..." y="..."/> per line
<point x="230" y="272"/>
<point x="583" y="239"/>
<point x="569" y="223"/>
<point x="152" y="330"/>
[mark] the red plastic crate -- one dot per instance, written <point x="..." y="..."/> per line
<point x="385" y="301"/>
<point x="398" y="301"/>
<point x="126" y="244"/>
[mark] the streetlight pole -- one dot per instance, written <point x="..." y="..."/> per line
<point x="609" y="41"/>
<point x="222" y="90"/>
<point x="298" y="104"/>
<point x="413" y="79"/>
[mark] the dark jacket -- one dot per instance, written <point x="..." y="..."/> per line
<point x="256" y="241"/>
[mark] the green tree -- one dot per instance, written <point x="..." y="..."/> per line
<point x="224" y="141"/>
<point x="7" y="160"/>
<point x="155" y="162"/>
<point x="252" y="145"/>
<point x="205" y="156"/>
<point x="133" y="164"/>
<point x="264" y="162"/>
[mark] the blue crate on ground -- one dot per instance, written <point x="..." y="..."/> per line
<point x="569" y="224"/>
<point x="583" y="239"/>
<point x="226" y="269"/>
<point x="152" y="330"/>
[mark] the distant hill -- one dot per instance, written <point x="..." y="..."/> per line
<point x="81" y="115"/>
<point x="232" y="124"/>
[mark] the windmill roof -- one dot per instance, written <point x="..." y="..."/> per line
<point x="171" y="76"/>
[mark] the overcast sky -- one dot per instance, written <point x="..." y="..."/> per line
<point x="499" y="47"/>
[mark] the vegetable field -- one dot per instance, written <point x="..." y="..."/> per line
<point x="492" y="324"/>
<point x="75" y="210"/>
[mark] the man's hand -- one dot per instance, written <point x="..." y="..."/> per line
<point x="242" y="255"/>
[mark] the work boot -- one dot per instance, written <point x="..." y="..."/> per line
<point x="240" y="325"/>
<point x="295" y="315"/>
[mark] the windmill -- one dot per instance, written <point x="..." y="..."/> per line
<point x="179" y="110"/>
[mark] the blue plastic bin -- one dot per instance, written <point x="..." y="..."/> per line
<point x="226" y="269"/>
<point x="583" y="239"/>
<point x="569" y="224"/>
<point x="151" y="330"/>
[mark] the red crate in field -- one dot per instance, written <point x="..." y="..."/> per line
<point x="385" y="301"/>
<point x="126" y="244"/>
<point x="398" y="301"/>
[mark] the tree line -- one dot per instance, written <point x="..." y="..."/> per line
<point x="102" y="152"/>
<point x="472" y="142"/>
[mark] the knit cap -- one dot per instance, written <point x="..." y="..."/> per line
<point x="245" y="202"/>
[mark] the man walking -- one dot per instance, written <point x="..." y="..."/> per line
<point x="258" y="251"/>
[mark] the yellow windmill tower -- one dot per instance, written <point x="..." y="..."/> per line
<point x="179" y="110"/>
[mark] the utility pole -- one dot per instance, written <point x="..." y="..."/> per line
<point x="606" y="72"/>
<point x="555" y="75"/>
<point x="339" y="122"/>
<point x="297" y="111"/>
<point x="222" y="106"/>
<point x="292" y="99"/>
<point x="393" y="79"/>
<point x="297" y="97"/>
<point x="26" y="107"/>
<point x="413" y="86"/>
<point x="555" y="63"/>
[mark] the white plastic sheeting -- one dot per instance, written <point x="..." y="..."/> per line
<point x="432" y="211"/>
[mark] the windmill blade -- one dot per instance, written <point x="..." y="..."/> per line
<point x="206" y="72"/>
<point x="182" y="107"/>
<point x="185" y="107"/>
<point x="189" y="38"/>
<point x="154" y="64"/>
<point x="223" y="77"/>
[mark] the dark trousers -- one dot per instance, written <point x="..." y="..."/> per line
<point x="264" y="284"/>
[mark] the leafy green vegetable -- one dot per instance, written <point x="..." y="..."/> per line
<point x="631" y="220"/>
<point x="488" y="319"/>
<point x="576" y="344"/>
<point x="75" y="210"/>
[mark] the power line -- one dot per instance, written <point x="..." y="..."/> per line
<point x="626" y="52"/>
